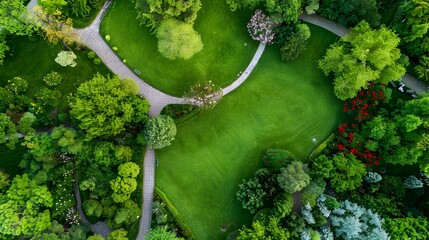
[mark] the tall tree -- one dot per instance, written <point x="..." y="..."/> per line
<point x="349" y="12"/>
<point x="7" y="131"/>
<point x="103" y="108"/>
<point x="24" y="208"/>
<point x="14" y="18"/>
<point x="160" y="131"/>
<point x="362" y="56"/>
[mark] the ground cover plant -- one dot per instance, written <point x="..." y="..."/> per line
<point x="213" y="152"/>
<point x="227" y="47"/>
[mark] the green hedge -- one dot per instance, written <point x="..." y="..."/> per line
<point x="180" y="220"/>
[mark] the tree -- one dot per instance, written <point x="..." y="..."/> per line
<point x="269" y="229"/>
<point x="79" y="7"/>
<point x="283" y="204"/>
<point x="160" y="131"/>
<point x="7" y="131"/>
<point x="103" y="108"/>
<point x="178" y="40"/>
<point x="4" y="180"/>
<point x="128" y="169"/>
<point x="293" y="178"/>
<point x="23" y="209"/>
<point x="96" y="237"/>
<point x="67" y="139"/>
<point x="118" y="234"/>
<point x="17" y="85"/>
<point x="66" y="58"/>
<point x="251" y="194"/>
<point x="423" y="68"/>
<point x="313" y="191"/>
<point x="54" y="78"/>
<point x="122" y="188"/>
<point x="153" y="12"/>
<point x="55" y="27"/>
<point x="130" y="86"/>
<point x="349" y="12"/>
<point x="352" y="221"/>
<point x="407" y="228"/>
<point x="362" y="56"/>
<point x="26" y="122"/>
<point x="275" y="159"/>
<point x="296" y="43"/>
<point x="92" y="208"/>
<point x="51" y="6"/>
<point x="161" y="232"/>
<point x="321" y="167"/>
<point x="261" y="27"/>
<point x="205" y="95"/>
<point x="3" y="48"/>
<point x="14" y="18"/>
<point x="348" y="173"/>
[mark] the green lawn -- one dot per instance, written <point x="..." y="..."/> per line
<point x="281" y="105"/>
<point x="223" y="57"/>
<point x="32" y="60"/>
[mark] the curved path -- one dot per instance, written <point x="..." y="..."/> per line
<point x="408" y="80"/>
<point x="158" y="100"/>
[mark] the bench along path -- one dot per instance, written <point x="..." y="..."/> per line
<point x="408" y="80"/>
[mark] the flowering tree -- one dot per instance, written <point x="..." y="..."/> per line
<point x="260" y="27"/>
<point x="206" y="95"/>
<point x="66" y="58"/>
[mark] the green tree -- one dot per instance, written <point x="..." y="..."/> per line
<point x="296" y="43"/>
<point x="103" y="108"/>
<point x="92" y="208"/>
<point x="122" y="188"/>
<point x="14" y="18"/>
<point x="3" y="48"/>
<point x="26" y="122"/>
<point x="270" y="229"/>
<point x="283" y="204"/>
<point x="128" y="169"/>
<point x="128" y="214"/>
<point x="79" y="7"/>
<point x="407" y="228"/>
<point x="68" y="139"/>
<point x="178" y="40"/>
<point x="118" y="234"/>
<point x="160" y="131"/>
<point x="293" y="178"/>
<point x="313" y="191"/>
<point x="51" y="6"/>
<point x="251" y="194"/>
<point x="423" y="68"/>
<point x="275" y="159"/>
<point x="96" y="237"/>
<point x="23" y="209"/>
<point x="7" y="131"/>
<point x="362" y="56"/>
<point x="321" y="167"/>
<point x="348" y="173"/>
<point x="4" y="180"/>
<point x="161" y="232"/>
<point x="349" y="12"/>
<point x="17" y="85"/>
<point x="130" y="86"/>
<point x="152" y="12"/>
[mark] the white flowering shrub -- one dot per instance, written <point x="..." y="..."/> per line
<point x="261" y="28"/>
<point x="205" y="95"/>
<point x="53" y="79"/>
<point x="66" y="58"/>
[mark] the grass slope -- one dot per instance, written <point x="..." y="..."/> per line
<point x="32" y="60"/>
<point x="281" y="105"/>
<point x="224" y="54"/>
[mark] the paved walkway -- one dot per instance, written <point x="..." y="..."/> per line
<point x="408" y="80"/>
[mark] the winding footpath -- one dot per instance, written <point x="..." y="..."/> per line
<point x="158" y="100"/>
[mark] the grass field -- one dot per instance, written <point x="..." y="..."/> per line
<point x="223" y="57"/>
<point x="32" y="60"/>
<point x="281" y="105"/>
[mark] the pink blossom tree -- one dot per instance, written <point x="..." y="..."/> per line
<point x="261" y="27"/>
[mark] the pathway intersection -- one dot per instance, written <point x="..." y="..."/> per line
<point x="158" y="100"/>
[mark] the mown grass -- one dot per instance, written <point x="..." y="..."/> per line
<point x="227" y="47"/>
<point x="281" y="105"/>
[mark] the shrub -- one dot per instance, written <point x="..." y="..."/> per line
<point x="53" y="79"/>
<point x="17" y="85"/>
<point x="160" y="131"/>
<point x="251" y="195"/>
<point x="115" y="49"/>
<point x="260" y="28"/>
<point x="107" y="37"/>
<point x="274" y="159"/>
<point x="91" y="55"/>
<point x="293" y="178"/>
<point x="97" y="61"/>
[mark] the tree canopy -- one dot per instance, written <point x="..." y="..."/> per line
<point x="103" y="107"/>
<point x="362" y="56"/>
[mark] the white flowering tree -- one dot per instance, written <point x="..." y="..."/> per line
<point x="205" y="95"/>
<point x="261" y="28"/>
<point x="66" y="58"/>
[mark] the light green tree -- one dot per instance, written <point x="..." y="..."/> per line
<point x="23" y="209"/>
<point x="160" y="131"/>
<point x="3" y="48"/>
<point x="119" y="234"/>
<point x="349" y="173"/>
<point x="293" y="178"/>
<point x="7" y="131"/>
<point x="103" y="108"/>
<point x="4" y="180"/>
<point x="79" y="7"/>
<point x="128" y="169"/>
<point x="161" y="233"/>
<point x="362" y="56"/>
<point x="122" y="188"/>
<point x="96" y="237"/>
<point x="26" y="122"/>
<point x="178" y="40"/>
<point x="14" y="18"/>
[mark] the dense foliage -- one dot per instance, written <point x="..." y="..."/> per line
<point x="160" y="131"/>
